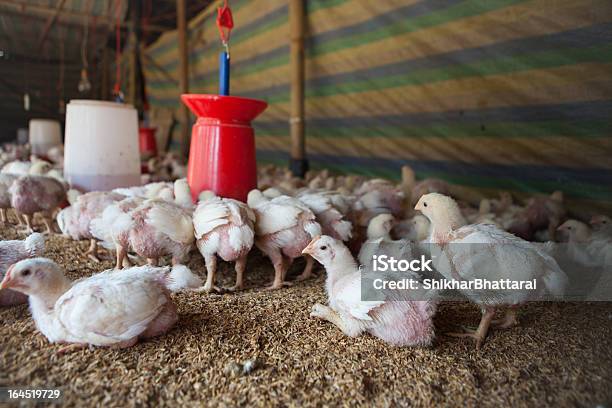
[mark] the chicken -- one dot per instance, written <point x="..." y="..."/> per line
<point x="113" y="227"/>
<point x="469" y="252"/>
<point x="540" y="213"/>
<point x="327" y="214"/>
<point x="414" y="229"/>
<point x="111" y="308"/>
<point x="21" y="168"/>
<point x="158" y="228"/>
<point x="602" y="227"/>
<point x="31" y="194"/>
<point x="74" y="221"/>
<point x="284" y="227"/>
<point x="585" y="246"/>
<point x="398" y="319"/>
<point x="160" y="189"/>
<point x="15" y="251"/>
<point x="223" y="227"/>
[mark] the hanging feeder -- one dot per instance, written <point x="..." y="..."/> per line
<point x="222" y="154"/>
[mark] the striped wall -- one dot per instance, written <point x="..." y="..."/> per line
<point x="513" y="94"/>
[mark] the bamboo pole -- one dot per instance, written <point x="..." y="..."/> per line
<point x="298" y="162"/>
<point x="181" y="23"/>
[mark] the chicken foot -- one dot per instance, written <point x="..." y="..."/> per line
<point x="280" y="270"/>
<point x="3" y="215"/>
<point x="481" y="332"/>
<point x="239" y="268"/>
<point x="211" y="275"/>
<point x="28" y="224"/>
<point x="348" y="326"/>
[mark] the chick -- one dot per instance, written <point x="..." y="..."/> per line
<point x="413" y="229"/>
<point x="328" y="215"/>
<point x="223" y="227"/>
<point x="398" y="319"/>
<point x="111" y="309"/>
<point x="283" y="229"/>
<point x="31" y="194"/>
<point x="15" y="251"/>
<point x="483" y="251"/>
<point x="602" y="227"/>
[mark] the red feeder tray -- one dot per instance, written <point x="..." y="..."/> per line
<point x="222" y="155"/>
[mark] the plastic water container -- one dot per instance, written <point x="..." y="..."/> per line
<point x="101" y="151"/>
<point x="44" y="134"/>
<point x="222" y="154"/>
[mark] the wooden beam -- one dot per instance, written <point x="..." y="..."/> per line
<point x="298" y="163"/>
<point x="49" y="24"/>
<point x="181" y="25"/>
<point x="67" y="17"/>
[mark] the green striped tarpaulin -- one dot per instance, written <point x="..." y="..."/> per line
<point x="492" y="94"/>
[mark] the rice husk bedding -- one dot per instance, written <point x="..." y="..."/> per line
<point x="261" y="348"/>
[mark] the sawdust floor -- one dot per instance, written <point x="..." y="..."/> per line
<point x="561" y="355"/>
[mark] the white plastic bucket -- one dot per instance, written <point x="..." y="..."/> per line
<point x="44" y="134"/>
<point x="101" y="150"/>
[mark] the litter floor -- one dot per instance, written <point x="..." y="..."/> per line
<point x="560" y="355"/>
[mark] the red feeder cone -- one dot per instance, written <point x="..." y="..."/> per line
<point x="222" y="155"/>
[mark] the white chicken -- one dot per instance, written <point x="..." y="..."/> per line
<point x="602" y="227"/>
<point x="327" y="214"/>
<point x="110" y="308"/>
<point x="283" y="229"/>
<point x="31" y="194"/>
<point x="398" y="319"/>
<point x="15" y="251"/>
<point x="21" y="168"/>
<point x="75" y="221"/>
<point x="223" y="227"/>
<point x="158" y="228"/>
<point x="113" y="227"/>
<point x="413" y="229"/>
<point x="469" y="252"/>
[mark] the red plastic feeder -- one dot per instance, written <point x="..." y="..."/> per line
<point x="222" y="155"/>
<point x="148" y="145"/>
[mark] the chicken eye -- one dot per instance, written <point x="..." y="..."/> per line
<point x="324" y="247"/>
<point x="569" y="228"/>
<point x="26" y="272"/>
<point x="604" y="222"/>
<point x="424" y="204"/>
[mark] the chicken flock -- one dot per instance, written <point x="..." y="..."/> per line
<point x="339" y="221"/>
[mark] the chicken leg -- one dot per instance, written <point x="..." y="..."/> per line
<point x="239" y="267"/>
<point x="280" y="269"/>
<point x="348" y="326"/>
<point x="28" y="224"/>
<point x="211" y="275"/>
<point x="481" y="332"/>
<point x="3" y="215"/>
<point x="121" y="256"/>
<point x="307" y="273"/>
<point x="92" y="251"/>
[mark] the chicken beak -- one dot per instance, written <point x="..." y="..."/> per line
<point x="310" y="247"/>
<point x="7" y="281"/>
